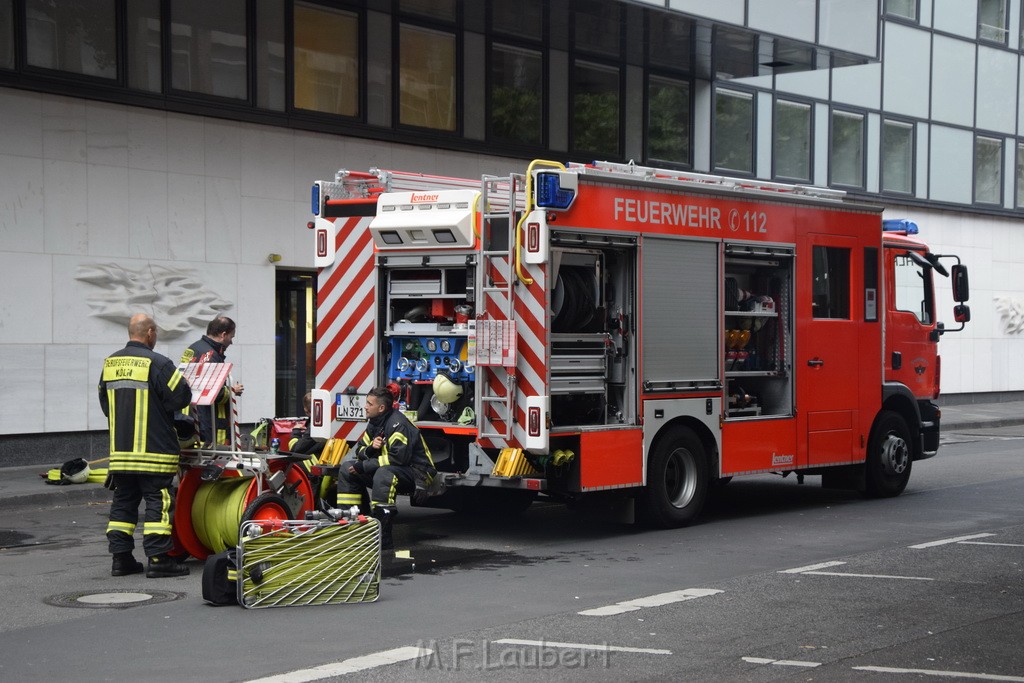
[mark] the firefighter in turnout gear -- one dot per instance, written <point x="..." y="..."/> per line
<point x="211" y="348"/>
<point x="139" y="391"/>
<point x="391" y="458"/>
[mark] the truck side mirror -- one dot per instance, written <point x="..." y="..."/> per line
<point x="961" y="289"/>
<point x="962" y="313"/>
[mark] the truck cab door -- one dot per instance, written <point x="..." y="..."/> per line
<point x="828" y="347"/>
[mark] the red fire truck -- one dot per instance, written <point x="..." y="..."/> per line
<point x="585" y="328"/>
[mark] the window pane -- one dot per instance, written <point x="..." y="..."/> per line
<point x="595" y="116"/>
<point x="988" y="170"/>
<point x="897" y="156"/>
<point x="143" y="28"/>
<point x="831" y="286"/>
<point x="326" y="60"/>
<point x="598" y="27"/>
<point x="6" y="35"/>
<point x="902" y="8"/>
<point x="734" y="131"/>
<point x="524" y="19"/>
<point x="847" y="158"/>
<point x="209" y="47"/>
<point x="668" y="120"/>
<point x="735" y="53"/>
<point x="427" y="78"/>
<point x="77" y="36"/>
<point x="433" y="9"/>
<point x="792" y="144"/>
<point x="516" y="101"/>
<point x="992" y="20"/>
<point x="1020" y="175"/>
<point x="911" y="295"/>
<point x="270" y="54"/>
<point x="669" y="44"/>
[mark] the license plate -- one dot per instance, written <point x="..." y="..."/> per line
<point x="351" y="408"/>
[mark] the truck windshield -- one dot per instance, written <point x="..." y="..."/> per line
<point x="913" y="288"/>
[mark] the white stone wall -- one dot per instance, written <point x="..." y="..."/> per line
<point x="140" y="193"/>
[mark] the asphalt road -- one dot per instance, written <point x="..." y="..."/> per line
<point x="778" y="580"/>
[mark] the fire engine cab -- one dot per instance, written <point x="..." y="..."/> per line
<point x="585" y="328"/>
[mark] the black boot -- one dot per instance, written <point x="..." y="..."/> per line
<point x="124" y="564"/>
<point x="386" y="516"/>
<point x="164" y="566"/>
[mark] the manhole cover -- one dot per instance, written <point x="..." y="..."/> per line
<point x="112" y="599"/>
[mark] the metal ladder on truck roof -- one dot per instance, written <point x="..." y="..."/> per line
<point x="495" y="399"/>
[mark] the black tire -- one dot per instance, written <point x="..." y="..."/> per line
<point x="677" y="480"/>
<point x="889" y="458"/>
<point x="267" y="506"/>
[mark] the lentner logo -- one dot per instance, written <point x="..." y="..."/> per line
<point x="423" y="197"/>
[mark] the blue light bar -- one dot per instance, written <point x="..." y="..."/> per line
<point x="550" y="194"/>
<point x="315" y="192"/>
<point x="899" y="225"/>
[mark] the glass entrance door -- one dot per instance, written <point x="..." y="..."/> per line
<point x="295" y="341"/>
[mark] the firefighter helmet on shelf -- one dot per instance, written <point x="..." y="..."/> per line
<point x="446" y="388"/>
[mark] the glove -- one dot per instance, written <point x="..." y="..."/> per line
<point x="360" y="467"/>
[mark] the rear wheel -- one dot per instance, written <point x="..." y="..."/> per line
<point x="677" y="480"/>
<point x="890" y="456"/>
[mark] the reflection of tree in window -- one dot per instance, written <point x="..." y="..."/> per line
<point x="847" y="159"/>
<point x="988" y="174"/>
<point x="911" y="289"/>
<point x="596" y="109"/>
<point x="72" y="35"/>
<point x="734" y="131"/>
<point x="668" y="120"/>
<point x="792" y="145"/>
<point x="830" y="287"/>
<point x="516" y="101"/>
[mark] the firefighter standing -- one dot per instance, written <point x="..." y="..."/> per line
<point x="139" y="391"/>
<point x="391" y="458"/>
<point x="211" y="348"/>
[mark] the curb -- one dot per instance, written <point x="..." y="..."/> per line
<point x="64" y="496"/>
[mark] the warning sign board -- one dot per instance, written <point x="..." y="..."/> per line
<point x="206" y="380"/>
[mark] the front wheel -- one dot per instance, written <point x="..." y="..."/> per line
<point x="890" y="456"/>
<point x="677" y="480"/>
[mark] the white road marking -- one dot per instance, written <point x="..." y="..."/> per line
<point x="781" y="662"/>
<point x="871" y="576"/>
<point x="582" y="646"/>
<point x="1009" y="545"/>
<point x="650" y="601"/>
<point x="811" y="567"/>
<point x="946" y="541"/>
<point x="348" y="666"/>
<point x="946" y="674"/>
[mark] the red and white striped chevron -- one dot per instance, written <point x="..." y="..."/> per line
<point x="345" y="330"/>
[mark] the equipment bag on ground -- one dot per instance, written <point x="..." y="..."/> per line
<point x="220" y="586"/>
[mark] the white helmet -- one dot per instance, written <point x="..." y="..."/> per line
<point x="446" y="389"/>
<point x="75" y="471"/>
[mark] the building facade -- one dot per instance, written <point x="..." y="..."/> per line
<point x="156" y="155"/>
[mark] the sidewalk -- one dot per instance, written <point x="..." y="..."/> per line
<point x="22" y="486"/>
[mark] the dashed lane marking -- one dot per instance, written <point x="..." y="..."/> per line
<point x="781" y="662"/>
<point x="815" y="570"/>
<point x="348" y="666"/>
<point x="947" y="541"/>
<point x="601" y="647"/>
<point x="650" y="601"/>
<point x="944" y="674"/>
<point x="1008" y="545"/>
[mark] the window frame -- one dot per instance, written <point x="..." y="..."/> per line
<point x="1005" y="28"/>
<point x="398" y="20"/>
<point x="776" y="101"/>
<point x="833" y="111"/>
<point x="978" y="137"/>
<point x="882" y="189"/>
<point x="890" y="14"/>
<point x="752" y="96"/>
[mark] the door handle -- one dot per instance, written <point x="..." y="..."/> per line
<point x="815" y="362"/>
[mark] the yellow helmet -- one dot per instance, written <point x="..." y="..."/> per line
<point x="446" y="388"/>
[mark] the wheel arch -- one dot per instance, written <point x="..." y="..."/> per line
<point x="899" y="399"/>
<point x="701" y="430"/>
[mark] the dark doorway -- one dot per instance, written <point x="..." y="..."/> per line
<point x="295" y="335"/>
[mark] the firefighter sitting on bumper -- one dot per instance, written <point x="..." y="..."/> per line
<point x="391" y="458"/>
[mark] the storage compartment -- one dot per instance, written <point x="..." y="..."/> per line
<point x="757" y="336"/>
